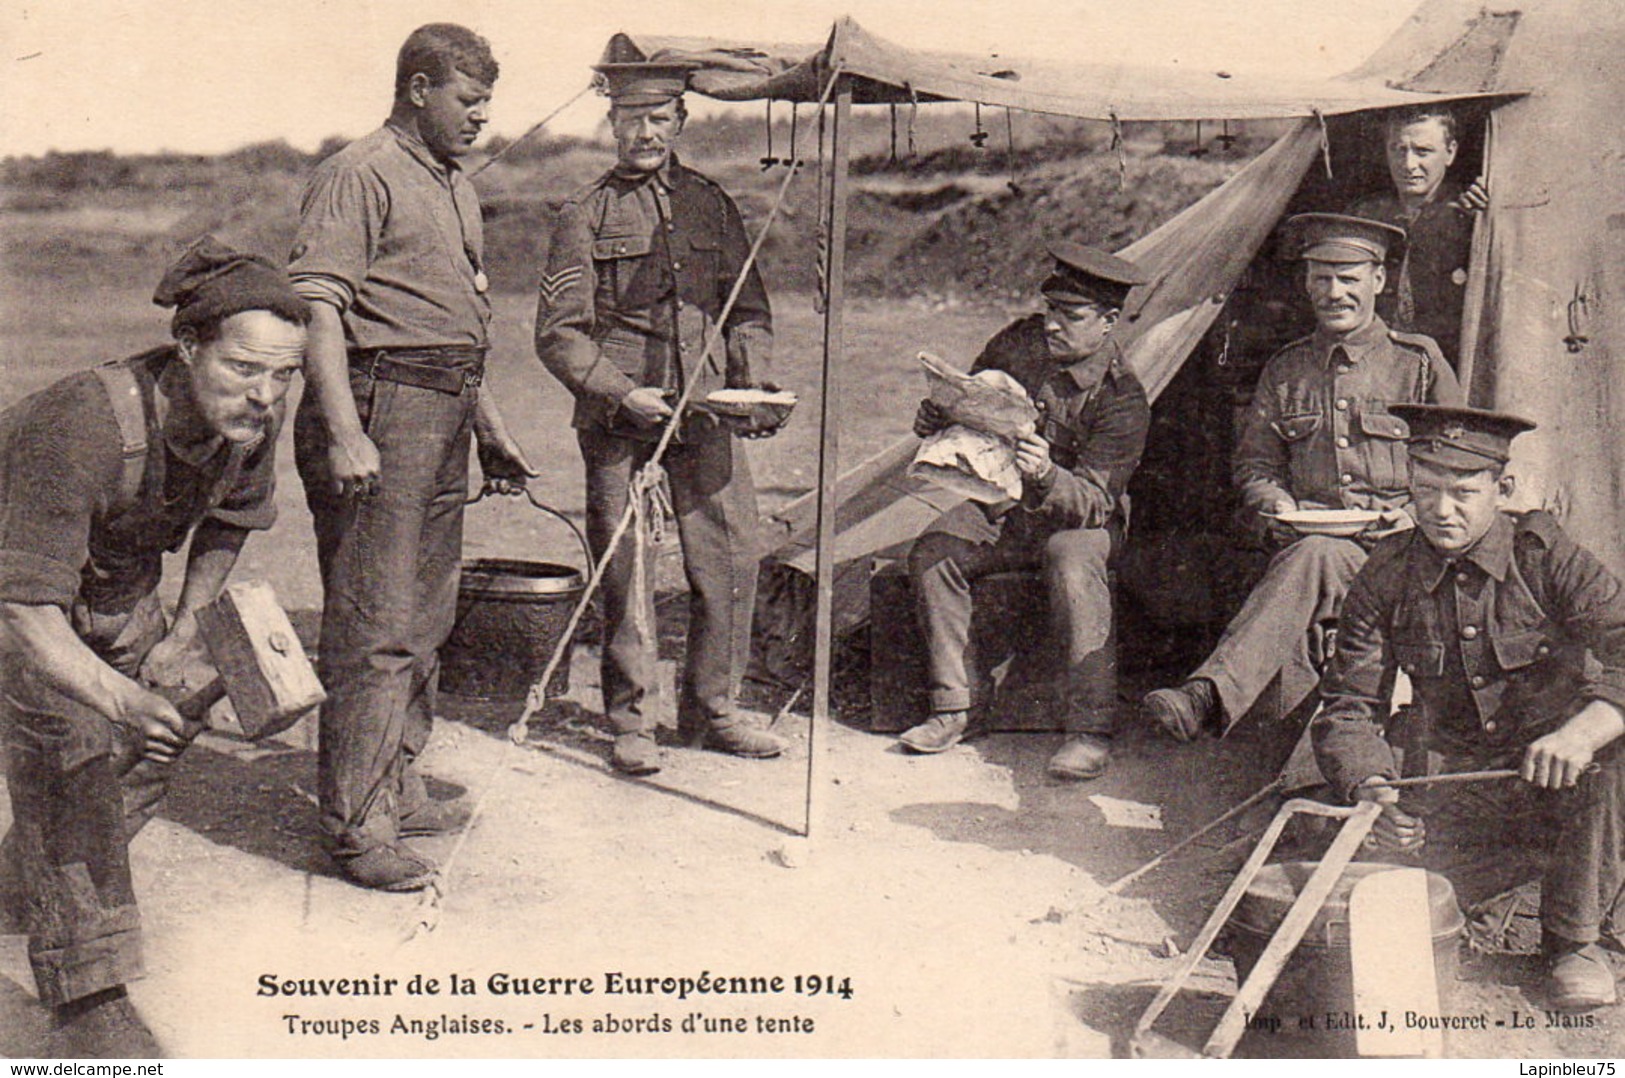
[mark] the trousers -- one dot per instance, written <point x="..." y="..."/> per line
<point x="390" y="564"/>
<point x="1279" y="630"/>
<point x="80" y="791"/>
<point x="961" y="547"/>
<point x="715" y="503"/>
<point x="1489" y="837"/>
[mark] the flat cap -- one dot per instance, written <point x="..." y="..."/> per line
<point x="1085" y="275"/>
<point x="1337" y="237"/>
<point x="1464" y="439"/>
<point x="645" y="82"/>
<point x="211" y="282"/>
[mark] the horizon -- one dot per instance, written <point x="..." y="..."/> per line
<point x="307" y="56"/>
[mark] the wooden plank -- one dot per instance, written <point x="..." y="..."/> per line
<point x="1391" y="950"/>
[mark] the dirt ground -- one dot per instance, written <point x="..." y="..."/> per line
<point x="944" y="906"/>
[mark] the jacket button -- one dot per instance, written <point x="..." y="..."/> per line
<point x="1490" y="726"/>
<point x="1348" y="480"/>
<point x="1469" y="632"/>
<point x="1543" y="650"/>
<point x="676" y="265"/>
<point x="1478" y="681"/>
<point x="1342" y="404"/>
<point x="1461" y="578"/>
<point x="1342" y="443"/>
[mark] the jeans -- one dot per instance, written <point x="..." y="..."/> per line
<point x="390" y="565"/>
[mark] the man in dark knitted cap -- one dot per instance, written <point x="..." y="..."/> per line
<point x="1513" y="638"/>
<point x="100" y="475"/>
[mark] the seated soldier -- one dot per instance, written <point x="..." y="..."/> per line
<point x="1492" y="615"/>
<point x="1091" y="431"/>
<point x="100" y="474"/>
<point x="1320" y="434"/>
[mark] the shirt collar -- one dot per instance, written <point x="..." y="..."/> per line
<point x="1356" y="345"/>
<point x="419" y="150"/>
<point x="1492" y="554"/>
<point x="1088" y="372"/>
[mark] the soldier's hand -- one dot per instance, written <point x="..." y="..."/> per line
<point x="1032" y="456"/>
<point x="647" y="405"/>
<point x="930" y="419"/>
<point x="356" y="466"/>
<point x="1476" y="197"/>
<point x="1279" y="532"/>
<point x="1556" y="761"/>
<point x="504" y="464"/>
<point x="154" y="719"/>
<point x="1395" y="830"/>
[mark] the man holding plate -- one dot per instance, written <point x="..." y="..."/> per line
<point x="1318" y="445"/>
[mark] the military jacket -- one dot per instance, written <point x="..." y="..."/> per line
<point x="1427" y="295"/>
<point x="1094" y="414"/>
<point x="638" y="269"/>
<point x="1319" y="430"/>
<point x="1494" y="641"/>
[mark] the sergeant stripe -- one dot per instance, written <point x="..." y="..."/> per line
<point x="554" y="284"/>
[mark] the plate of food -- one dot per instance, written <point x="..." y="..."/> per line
<point x="744" y="402"/>
<point x="1340" y="522"/>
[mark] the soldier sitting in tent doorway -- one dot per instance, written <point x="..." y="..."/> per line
<point x="1091" y="432"/>
<point x="1318" y="435"/>
<point x="1437" y="214"/>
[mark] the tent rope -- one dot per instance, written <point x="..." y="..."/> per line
<point x="913" y="114"/>
<point x="1122" y="153"/>
<point x="769" y="160"/>
<point x="1010" y="152"/>
<point x="535" y="127"/>
<point x="821" y="294"/>
<point x="1325" y="142"/>
<point x="427" y="915"/>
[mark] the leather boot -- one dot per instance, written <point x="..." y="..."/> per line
<point x="738" y="737"/>
<point x="939" y="733"/>
<point x="104" y="1025"/>
<point x="1081" y="757"/>
<point x="436" y="818"/>
<point x="1579" y="977"/>
<point x="394" y="867"/>
<point x="635" y="754"/>
<point x="1186" y="712"/>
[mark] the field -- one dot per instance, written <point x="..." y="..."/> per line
<point x="961" y="897"/>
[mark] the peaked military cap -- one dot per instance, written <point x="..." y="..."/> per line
<point x="1465" y="439"/>
<point x="1337" y="237"/>
<point x="1085" y="275"/>
<point x="645" y="82"/>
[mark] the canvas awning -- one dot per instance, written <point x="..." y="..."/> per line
<point x="883" y="73"/>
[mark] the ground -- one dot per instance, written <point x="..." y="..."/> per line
<point x="943" y="906"/>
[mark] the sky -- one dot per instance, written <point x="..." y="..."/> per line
<point x="205" y="76"/>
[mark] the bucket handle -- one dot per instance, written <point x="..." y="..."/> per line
<point x="489" y="488"/>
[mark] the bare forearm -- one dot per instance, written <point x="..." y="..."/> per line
<point x="213" y="554"/>
<point x="48" y="646"/>
<point x="1597" y="725"/>
<point x="327" y="369"/>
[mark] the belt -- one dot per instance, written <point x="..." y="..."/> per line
<point x="444" y="369"/>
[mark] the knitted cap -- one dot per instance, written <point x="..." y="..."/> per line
<point x="211" y="282"/>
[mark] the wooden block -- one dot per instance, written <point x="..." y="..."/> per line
<point x="267" y="676"/>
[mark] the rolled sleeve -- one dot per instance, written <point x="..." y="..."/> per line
<point x="340" y="221"/>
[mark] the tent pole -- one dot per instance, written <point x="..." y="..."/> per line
<point x="828" y="456"/>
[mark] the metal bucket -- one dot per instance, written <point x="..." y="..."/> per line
<point x="511" y="615"/>
<point x="1315" y="988"/>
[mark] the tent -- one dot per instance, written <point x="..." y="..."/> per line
<point x="1542" y="315"/>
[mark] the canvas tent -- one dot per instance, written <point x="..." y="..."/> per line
<point x="1542" y="317"/>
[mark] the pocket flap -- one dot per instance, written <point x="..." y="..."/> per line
<point x="1517" y="650"/>
<point x="1420" y="658"/>
<point x="609" y="247"/>
<point x="1295" y="428"/>
<point x="1383" y="425"/>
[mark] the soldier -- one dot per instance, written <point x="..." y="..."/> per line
<point x="1319" y="434"/>
<point x="389" y="253"/>
<point x="1437" y="215"/>
<point x="1069" y="518"/>
<point x="100" y="474"/>
<point x="639" y="268"/>
<point x="1493" y="616"/>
